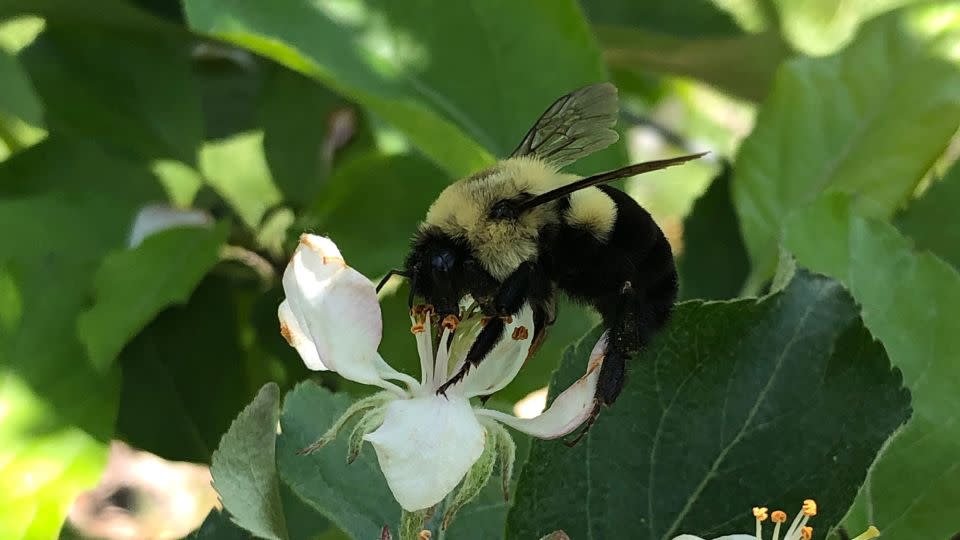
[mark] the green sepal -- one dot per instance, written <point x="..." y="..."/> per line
<point x="370" y="421"/>
<point x="506" y="451"/>
<point x="477" y="477"/>
<point x="363" y="405"/>
<point x="411" y="523"/>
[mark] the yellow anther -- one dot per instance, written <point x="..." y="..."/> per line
<point x="810" y="507"/>
<point x="520" y="333"/>
<point x="869" y="534"/>
<point x="424" y="535"/>
<point x="778" y="516"/>
<point x="760" y="512"/>
<point x="806" y="533"/>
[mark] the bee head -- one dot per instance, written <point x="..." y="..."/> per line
<point x="485" y="211"/>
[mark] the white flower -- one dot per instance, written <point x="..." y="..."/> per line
<point x="426" y="443"/>
<point x="798" y="529"/>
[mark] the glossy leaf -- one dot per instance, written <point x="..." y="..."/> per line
<point x="133" y="285"/>
<point x="735" y="404"/>
<point x="244" y="469"/>
<point x="848" y="134"/>
<point x="911" y="302"/>
<point x="461" y="92"/>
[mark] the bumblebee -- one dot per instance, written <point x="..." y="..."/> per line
<point x="522" y="231"/>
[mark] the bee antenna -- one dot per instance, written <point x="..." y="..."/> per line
<point x="603" y="178"/>
<point x="391" y="273"/>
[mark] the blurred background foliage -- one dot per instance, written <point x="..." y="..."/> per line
<point x="346" y="117"/>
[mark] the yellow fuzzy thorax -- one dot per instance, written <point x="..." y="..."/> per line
<point x="462" y="208"/>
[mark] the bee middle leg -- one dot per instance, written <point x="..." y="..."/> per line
<point x="510" y="297"/>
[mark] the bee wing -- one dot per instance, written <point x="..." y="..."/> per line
<point x="575" y="126"/>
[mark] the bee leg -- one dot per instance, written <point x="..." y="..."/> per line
<point x="510" y="297"/>
<point x="485" y="342"/>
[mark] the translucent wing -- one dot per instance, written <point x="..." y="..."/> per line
<point x="575" y="126"/>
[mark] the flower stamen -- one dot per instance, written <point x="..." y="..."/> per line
<point x="451" y="322"/>
<point x="779" y="517"/>
<point x="806" y="533"/>
<point x="760" y="512"/>
<point x="520" y="333"/>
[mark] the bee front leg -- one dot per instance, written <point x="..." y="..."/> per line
<point x="510" y="297"/>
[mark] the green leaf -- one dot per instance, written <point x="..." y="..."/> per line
<point x="931" y="221"/>
<point x="244" y="469"/>
<point x="714" y="263"/>
<point x="18" y="98"/>
<point x="378" y="199"/>
<point x="236" y="168"/>
<point x="838" y="124"/>
<point x="133" y="285"/>
<point x="911" y="302"/>
<point x="125" y="88"/>
<point x="461" y="92"/>
<point x="742" y="65"/>
<point x="218" y="526"/>
<point x="353" y="497"/>
<point x="690" y="19"/>
<point x="63" y="206"/>
<point x="823" y="26"/>
<point x="297" y="116"/>
<point x="187" y="360"/>
<point x="740" y="403"/>
<point x="44" y="462"/>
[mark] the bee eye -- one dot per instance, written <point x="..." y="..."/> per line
<point x="443" y="261"/>
<point x="505" y="209"/>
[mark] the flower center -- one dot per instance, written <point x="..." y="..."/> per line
<point x="798" y="529"/>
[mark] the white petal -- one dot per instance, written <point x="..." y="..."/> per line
<point x="291" y="331"/>
<point x="425" y="447"/>
<point x="728" y="537"/>
<point x="504" y="361"/>
<point x="570" y="409"/>
<point x="690" y="537"/>
<point x="336" y="307"/>
<point x="157" y="217"/>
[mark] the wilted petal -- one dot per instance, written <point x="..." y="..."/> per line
<point x="425" y="447"/>
<point x="504" y="361"/>
<point x="336" y="307"/>
<point x="570" y="409"/>
<point x="291" y="331"/>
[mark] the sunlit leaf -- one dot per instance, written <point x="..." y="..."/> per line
<point x="133" y="285"/>
<point x="461" y="92"/>
<point x="839" y="124"/>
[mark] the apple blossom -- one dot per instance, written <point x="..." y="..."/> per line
<point x="798" y="529"/>
<point x="426" y="444"/>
